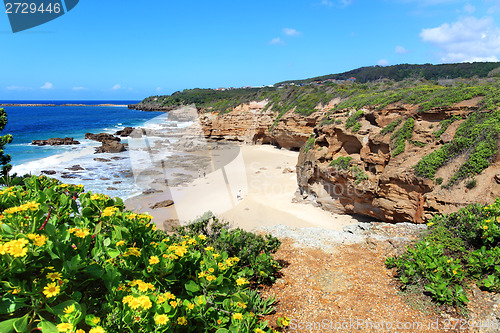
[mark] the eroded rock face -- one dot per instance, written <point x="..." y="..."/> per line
<point x="382" y="186"/>
<point x="101" y="137"/>
<point x="387" y="188"/>
<point x="249" y="123"/>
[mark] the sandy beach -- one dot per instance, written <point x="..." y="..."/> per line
<point x="253" y="190"/>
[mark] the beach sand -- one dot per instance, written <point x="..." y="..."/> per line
<point x="253" y="190"/>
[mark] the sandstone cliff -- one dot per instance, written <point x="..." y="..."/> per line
<point x="378" y="183"/>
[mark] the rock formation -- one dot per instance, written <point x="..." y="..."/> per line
<point x="379" y="184"/>
<point x="55" y="142"/>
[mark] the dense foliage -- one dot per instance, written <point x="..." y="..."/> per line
<point x="4" y="139"/>
<point x="74" y="261"/>
<point x="458" y="248"/>
<point x="402" y="135"/>
<point x="476" y="138"/>
<point x="407" y="71"/>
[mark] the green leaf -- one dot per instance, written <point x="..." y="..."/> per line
<point x="48" y="327"/>
<point x="192" y="287"/>
<point x="87" y="212"/>
<point x="10" y="303"/>
<point x="94" y="270"/>
<point x="7" y="326"/>
<point x="21" y="324"/>
<point x="107" y="242"/>
<point x="222" y="330"/>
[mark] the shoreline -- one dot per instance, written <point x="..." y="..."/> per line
<point x="257" y="191"/>
<point x="51" y="105"/>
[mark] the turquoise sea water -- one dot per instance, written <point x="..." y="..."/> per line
<point x="36" y="123"/>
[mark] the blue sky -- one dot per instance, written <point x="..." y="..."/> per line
<point x="133" y="49"/>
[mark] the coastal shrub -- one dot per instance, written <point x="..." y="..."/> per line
<point x="459" y="247"/>
<point x="5" y="167"/>
<point x="471" y="184"/>
<point x="310" y="143"/>
<point x="353" y="120"/>
<point x="73" y="261"/>
<point x="477" y="138"/>
<point x="391" y="127"/>
<point x="444" y="124"/>
<point x="400" y="137"/>
<point x="345" y="163"/>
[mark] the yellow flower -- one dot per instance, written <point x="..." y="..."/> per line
<point x="51" y="290"/>
<point x="145" y="302"/>
<point x="241" y="305"/>
<point x="237" y="316"/>
<point x="54" y="276"/>
<point x="202" y="237"/>
<point x="160" y="299"/>
<point x="109" y="211"/>
<point x="209" y="248"/>
<point x="80" y="331"/>
<point x="169" y="295"/>
<point x="17" y="251"/>
<point x="201" y="275"/>
<point x="64" y="327"/>
<point x="161" y="319"/>
<point x="127" y="299"/>
<point x="97" y="329"/>
<point x="95" y="197"/>
<point x="173" y="304"/>
<point x="190" y="306"/>
<point x="216" y="255"/>
<point x="221" y="266"/>
<point x="211" y="278"/>
<point x="40" y="240"/>
<point x="143" y="286"/>
<point x="132" y="251"/>
<point x="285" y="321"/>
<point x="182" y="321"/>
<point x="430" y="224"/>
<point x="454" y="272"/>
<point x="134" y="303"/>
<point x="153" y="260"/>
<point x="131" y="216"/>
<point x="120" y="243"/>
<point x="200" y="300"/>
<point x="82" y="233"/>
<point x="258" y="330"/>
<point x="95" y="320"/>
<point x="485" y="227"/>
<point x="69" y="309"/>
<point x="211" y="270"/>
<point x="241" y="281"/>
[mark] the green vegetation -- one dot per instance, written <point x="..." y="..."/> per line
<point x="444" y="124"/>
<point x="471" y="184"/>
<point x="400" y="137"/>
<point x="391" y="127"/>
<point x="353" y="120"/>
<point x="407" y="71"/>
<point x="345" y="163"/>
<point x="72" y="260"/>
<point x="310" y="143"/>
<point x="4" y="139"/>
<point x="476" y="138"/>
<point x="459" y="247"/>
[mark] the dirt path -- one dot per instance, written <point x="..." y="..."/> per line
<point x="347" y="290"/>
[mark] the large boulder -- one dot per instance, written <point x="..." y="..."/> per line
<point x="101" y="137"/>
<point x="110" y="147"/>
<point x="55" y="142"/>
<point x="125" y="132"/>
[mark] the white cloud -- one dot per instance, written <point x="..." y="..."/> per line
<point x="18" y="88"/>
<point x="158" y="89"/>
<point x="468" y="39"/>
<point x="401" y="50"/>
<point x="276" y="41"/>
<point x="339" y="3"/>
<point x="47" y="85"/>
<point x="117" y="87"/>
<point x="291" y="32"/>
<point x="383" y="62"/>
<point x="79" y="88"/>
<point x="469" y="9"/>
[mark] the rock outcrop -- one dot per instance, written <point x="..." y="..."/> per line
<point x="101" y="137"/>
<point x="55" y="142"/>
<point x="379" y="183"/>
<point x="109" y="143"/>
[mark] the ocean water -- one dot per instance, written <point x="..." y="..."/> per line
<point x="112" y="177"/>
